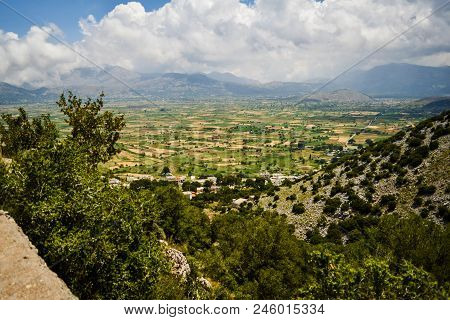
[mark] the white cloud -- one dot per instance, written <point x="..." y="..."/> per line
<point x="34" y="58"/>
<point x="268" y="40"/>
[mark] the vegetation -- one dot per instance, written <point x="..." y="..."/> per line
<point x="110" y="242"/>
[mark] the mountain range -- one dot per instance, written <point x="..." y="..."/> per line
<point x="393" y="80"/>
<point x="398" y="81"/>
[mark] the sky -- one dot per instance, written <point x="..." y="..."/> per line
<point x="267" y="40"/>
<point x="65" y="14"/>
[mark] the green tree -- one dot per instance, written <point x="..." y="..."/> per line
<point x="255" y="256"/>
<point x="95" y="132"/>
<point x="375" y="278"/>
<point x="18" y="133"/>
<point x="165" y="171"/>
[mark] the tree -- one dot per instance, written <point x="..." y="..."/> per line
<point x="95" y="132"/>
<point x="335" y="278"/>
<point x="258" y="257"/>
<point x="19" y="133"/>
<point x="165" y="171"/>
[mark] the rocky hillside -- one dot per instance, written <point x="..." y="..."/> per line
<point x="408" y="172"/>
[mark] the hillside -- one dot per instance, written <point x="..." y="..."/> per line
<point x="405" y="173"/>
<point x="438" y="105"/>
<point x="147" y="240"/>
<point x="398" y="80"/>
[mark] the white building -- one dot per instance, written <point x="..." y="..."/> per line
<point x="212" y="179"/>
<point x="188" y="194"/>
<point x="114" y="182"/>
<point x="237" y="203"/>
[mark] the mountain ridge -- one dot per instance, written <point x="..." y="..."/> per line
<point x="393" y="80"/>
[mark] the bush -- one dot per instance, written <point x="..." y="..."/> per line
<point x="434" y="145"/>
<point x="417" y="202"/>
<point x="359" y="205"/>
<point x="336" y="189"/>
<point x="317" y="198"/>
<point x="334" y="234"/>
<point x="440" y="131"/>
<point x="414" y="142"/>
<point x="444" y="213"/>
<point x="390" y="201"/>
<point x="298" y="208"/>
<point x="292" y="197"/>
<point x="331" y="205"/>
<point x="426" y="190"/>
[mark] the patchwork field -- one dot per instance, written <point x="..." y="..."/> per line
<point x="248" y="136"/>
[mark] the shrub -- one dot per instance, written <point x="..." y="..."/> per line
<point x="292" y="197"/>
<point x="298" y="208"/>
<point x="440" y="131"/>
<point x="398" y="136"/>
<point x="317" y="198"/>
<point x="434" y="145"/>
<point x="417" y="202"/>
<point x="413" y="142"/>
<point x="426" y="190"/>
<point x="390" y="201"/>
<point x="334" y="234"/>
<point x="336" y="189"/>
<point x="444" y="213"/>
<point x="331" y="205"/>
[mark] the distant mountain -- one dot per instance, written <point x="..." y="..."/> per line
<point x="89" y="81"/>
<point x="437" y="105"/>
<point x="13" y="94"/>
<point x="340" y="96"/>
<point x="398" y="80"/>
<point x="231" y="78"/>
<point x="394" y="80"/>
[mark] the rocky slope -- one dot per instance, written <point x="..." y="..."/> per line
<point x="408" y="172"/>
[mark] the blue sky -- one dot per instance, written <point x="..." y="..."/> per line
<point x="65" y="14"/>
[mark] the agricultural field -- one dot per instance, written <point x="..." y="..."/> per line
<point x="242" y="136"/>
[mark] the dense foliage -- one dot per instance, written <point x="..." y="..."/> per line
<point x="106" y="242"/>
<point x="94" y="132"/>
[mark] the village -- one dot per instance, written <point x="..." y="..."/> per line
<point x="193" y="186"/>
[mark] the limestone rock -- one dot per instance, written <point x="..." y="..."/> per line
<point x="180" y="266"/>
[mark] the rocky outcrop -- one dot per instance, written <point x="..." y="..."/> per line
<point x="180" y="265"/>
